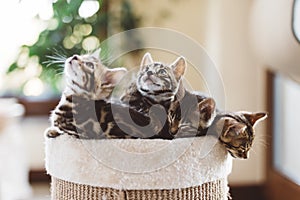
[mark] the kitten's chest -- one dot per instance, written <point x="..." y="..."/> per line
<point x="80" y="117"/>
<point x="62" y="116"/>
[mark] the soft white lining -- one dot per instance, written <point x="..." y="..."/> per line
<point x="137" y="164"/>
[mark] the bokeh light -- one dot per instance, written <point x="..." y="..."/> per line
<point x="88" y="8"/>
<point x="33" y="87"/>
<point x="90" y="43"/>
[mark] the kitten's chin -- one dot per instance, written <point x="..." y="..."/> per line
<point x="240" y="156"/>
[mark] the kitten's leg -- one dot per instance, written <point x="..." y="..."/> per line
<point x="52" y="132"/>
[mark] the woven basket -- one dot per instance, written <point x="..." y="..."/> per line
<point x="64" y="190"/>
<point x="137" y="169"/>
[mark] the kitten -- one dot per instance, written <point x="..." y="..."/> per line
<point x="161" y="84"/>
<point x="236" y="131"/>
<point x="84" y="110"/>
<point x="191" y="115"/>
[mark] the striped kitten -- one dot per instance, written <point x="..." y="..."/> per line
<point x="84" y="111"/>
<point x="236" y="131"/>
<point x="161" y="84"/>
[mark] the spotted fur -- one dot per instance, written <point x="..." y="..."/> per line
<point x="236" y="131"/>
<point x="84" y="110"/>
<point x="190" y="115"/>
<point x="158" y="83"/>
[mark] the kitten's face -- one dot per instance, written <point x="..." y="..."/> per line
<point x="238" y="132"/>
<point x="86" y="75"/>
<point x="159" y="81"/>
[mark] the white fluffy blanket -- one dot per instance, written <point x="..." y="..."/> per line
<point x="138" y="164"/>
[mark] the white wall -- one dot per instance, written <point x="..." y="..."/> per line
<point x="223" y="29"/>
<point x="272" y="38"/>
<point x="244" y="83"/>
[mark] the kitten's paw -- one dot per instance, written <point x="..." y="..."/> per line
<point x="52" y="133"/>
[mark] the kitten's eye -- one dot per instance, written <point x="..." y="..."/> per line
<point x="90" y="65"/>
<point x="162" y="72"/>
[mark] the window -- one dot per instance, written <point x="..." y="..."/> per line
<point x="283" y="158"/>
<point x="296" y="19"/>
<point x="286" y="127"/>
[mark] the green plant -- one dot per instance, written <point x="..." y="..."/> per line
<point x="69" y="32"/>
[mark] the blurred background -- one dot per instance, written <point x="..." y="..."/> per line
<point x="253" y="44"/>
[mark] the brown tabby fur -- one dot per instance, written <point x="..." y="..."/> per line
<point x="236" y="131"/>
<point x="160" y="84"/>
<point x="84" y="110"/>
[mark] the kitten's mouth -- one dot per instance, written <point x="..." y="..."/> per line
<point x="149" y="80"/>
<point x="232" y="154"/>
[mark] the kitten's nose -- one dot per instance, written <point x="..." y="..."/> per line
<point x="245" y="156"/>
<point x="75" y="57"/>
<point x="149" y="73"/>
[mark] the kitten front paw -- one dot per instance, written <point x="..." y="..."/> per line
<point x="52" y="133"/>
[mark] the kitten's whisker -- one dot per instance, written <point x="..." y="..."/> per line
<point x="54" y="63"/>
<point x="261" y="140"/>
<point x="107" y="61"/>
<point x="252" y="150"/>
<point x="59" y="74"/>
<point x="263" y="144"/>
<point x="107" y="58"/>
<point x="57" y="58"/>
<point x="60" y="53"/>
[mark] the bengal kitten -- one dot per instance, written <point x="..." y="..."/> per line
<point x="84" y="110"/>
<point x="236" y="131"/>
<point x="158" y="83"/>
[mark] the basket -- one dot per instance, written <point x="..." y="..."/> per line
<point x="183" y="169"/>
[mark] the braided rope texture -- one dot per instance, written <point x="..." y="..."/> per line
<point x="64" y="190"/>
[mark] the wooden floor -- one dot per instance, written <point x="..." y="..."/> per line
<point x="247" y="193"/>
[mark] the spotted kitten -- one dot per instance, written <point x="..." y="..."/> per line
<point x="236" y="131"/>
<point x="161" y="84"/>
<point x="84" y="110"/>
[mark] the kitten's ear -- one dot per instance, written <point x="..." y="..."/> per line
<point x="207" y="109"/>
<point x="234" y="128"/>
<point x="253" y="118"/>
<point x="147" y="59"/>
<point x="179" y="67"/>
<point x="113" y="76"/>
<point x="96" y="53"/>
